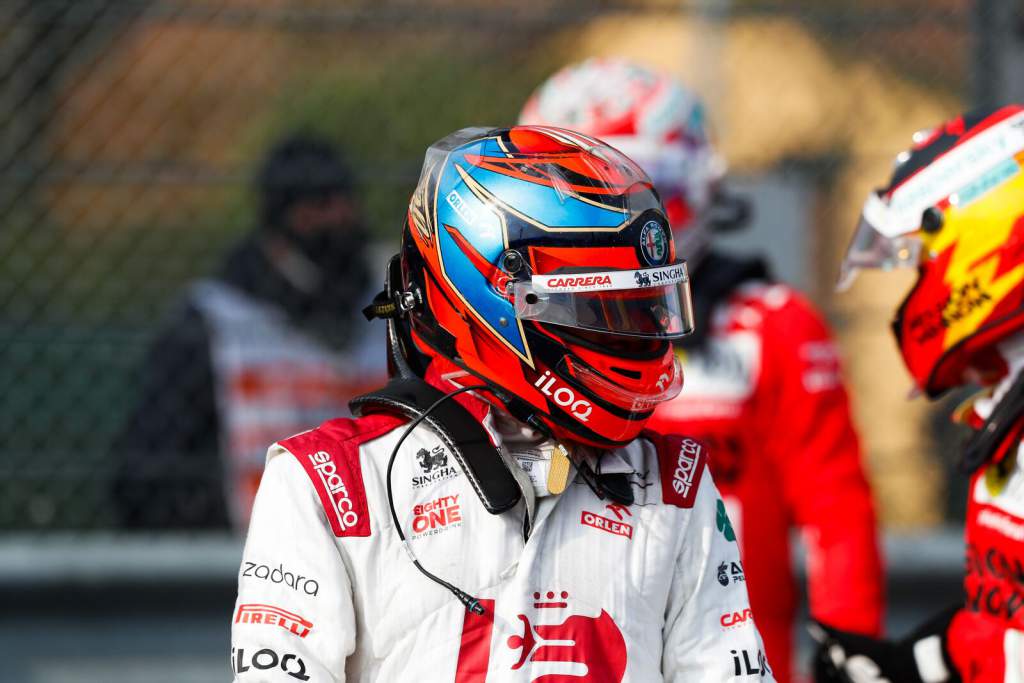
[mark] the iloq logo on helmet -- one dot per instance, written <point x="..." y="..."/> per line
<point x="564" y="396"/>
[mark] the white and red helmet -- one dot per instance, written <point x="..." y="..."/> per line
<point x="655" y="121"/>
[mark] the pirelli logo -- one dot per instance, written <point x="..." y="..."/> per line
<point x="269" y="615"/>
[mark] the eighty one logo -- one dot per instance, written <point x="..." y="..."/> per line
<point x="564" y="396"/>
<point x="436" y="516"/>
<point x="335" y="485"/>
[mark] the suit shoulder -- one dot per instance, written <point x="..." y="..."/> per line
<point x="682" y="461"/>
<point x="329" y="455"/>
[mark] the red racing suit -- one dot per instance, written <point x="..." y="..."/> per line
<point x="765" y="393"/>
<point x="986" y="638"/>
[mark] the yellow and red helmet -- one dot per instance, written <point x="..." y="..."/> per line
<point x="954" y="208"/>
<point x="541" y="261"/>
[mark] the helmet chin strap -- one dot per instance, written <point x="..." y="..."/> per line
<point x="1003" y="425"/>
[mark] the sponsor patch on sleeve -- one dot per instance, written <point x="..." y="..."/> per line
<point x="682" y="462"/>
<point x="337" y="475"/>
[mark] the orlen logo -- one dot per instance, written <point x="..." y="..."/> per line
<point x="736" y="619"/>
<point x="273" y="616"/>
<point x="565" y="282"/>
<point x="335" y="485"/>
<point x="619" y="528"/>
<point x="564" y="396"/>
<point x="686" y="461"/>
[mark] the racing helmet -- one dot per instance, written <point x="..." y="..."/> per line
<point x="658" y="123"/>
<point x="954" y="208"/>
<point x="540" y="261"/>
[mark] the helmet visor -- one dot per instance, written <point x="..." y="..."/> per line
<point x="871" y="248"/>
<point x="648" y="302"/>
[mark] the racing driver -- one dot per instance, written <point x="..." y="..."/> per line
<point x="497" y="511"/>
<point x="954" y="209"/>
<point x="763" y="388"/>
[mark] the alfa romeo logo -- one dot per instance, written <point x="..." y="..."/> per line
<point x="654" y="243"/>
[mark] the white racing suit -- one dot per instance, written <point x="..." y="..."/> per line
<point x="593" y="592"/>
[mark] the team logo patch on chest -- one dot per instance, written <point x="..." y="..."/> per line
<point x="556" y="642"/>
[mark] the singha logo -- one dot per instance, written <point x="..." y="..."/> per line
<point x="642" y="279"/>
<point x="432" y="460"/>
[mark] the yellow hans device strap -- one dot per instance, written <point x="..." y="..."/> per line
<point x="558" y="472"/>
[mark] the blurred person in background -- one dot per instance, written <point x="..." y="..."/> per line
<point x="763" y="386"/>
<point x="954" y="209"/>
<point x="270" y="345"/>
<point x="508" y="454"/>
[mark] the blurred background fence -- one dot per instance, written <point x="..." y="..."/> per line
<point x="130" y="131"/>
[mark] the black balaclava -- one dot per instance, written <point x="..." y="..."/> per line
<point x="302" y="169"/>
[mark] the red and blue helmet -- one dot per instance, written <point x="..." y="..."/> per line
<point x="543" y="263"/>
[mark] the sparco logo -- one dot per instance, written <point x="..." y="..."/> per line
<point x="273" y="616"/>
<point x="564" y="396"/>
<point x="686" y="460"/>
<point x="434" y="465"/>
<point x="279" y="575"/>
<point x="335" y="485"/>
